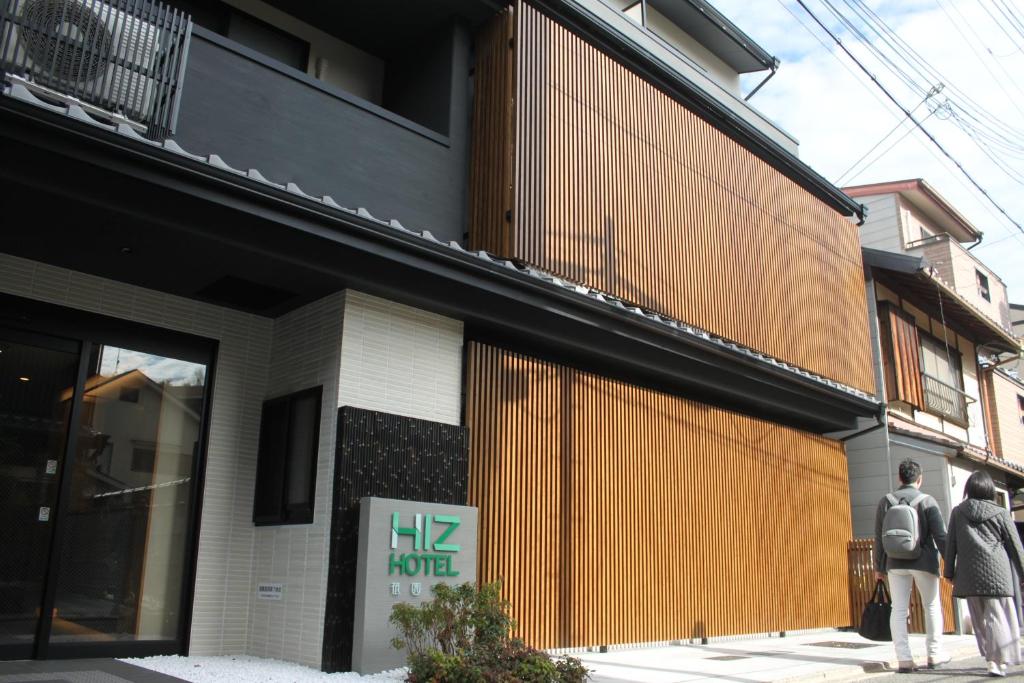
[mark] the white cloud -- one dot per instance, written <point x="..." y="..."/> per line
<point x="838" y="116"/>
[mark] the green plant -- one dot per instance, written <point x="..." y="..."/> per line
<point x="463" y="636"/>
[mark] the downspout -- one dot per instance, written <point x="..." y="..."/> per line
<point x="876" y="361"/>
<point x="976" y="242"/>
<point x="774" y="67"/>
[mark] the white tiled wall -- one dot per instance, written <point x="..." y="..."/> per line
<point x="365" y="351"/>
<point x="220" y="619"/>
<point x="306" y="353"/>
<point x="400" y="360"/>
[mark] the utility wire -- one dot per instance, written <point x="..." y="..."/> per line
<point x="890" y="147"/>
<point x="899" y="123"/>
<point x="909" y="114"/>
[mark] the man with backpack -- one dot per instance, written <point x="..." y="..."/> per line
<point x="909" y="535"/>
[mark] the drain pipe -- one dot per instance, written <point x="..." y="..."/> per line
<point x="876" y="361"/>
<point x="774" y="68"/>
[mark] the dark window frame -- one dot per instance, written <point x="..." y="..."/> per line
<point x="272" y="473"/>
<point x="983" y="286"/>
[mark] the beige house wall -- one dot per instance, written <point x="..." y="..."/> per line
<point x="1007" y="426"/>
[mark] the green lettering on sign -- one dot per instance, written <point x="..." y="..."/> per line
<point x="416" y="531"/>
<point x="453" y="523"/>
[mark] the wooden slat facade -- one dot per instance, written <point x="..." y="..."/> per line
<point x="901" y="355"/>
<point x="611" y="182"/>
<point x="617" y="514"/>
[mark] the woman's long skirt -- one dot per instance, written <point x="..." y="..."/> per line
<point x="996" y="628"/>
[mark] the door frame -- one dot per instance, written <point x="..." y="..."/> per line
<point x="28" y="319"/>
<point x="73" y="348"/>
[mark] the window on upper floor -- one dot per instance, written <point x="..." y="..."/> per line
<point x="942" y="380"/>
<point x="983" y="289"/>
<point x="286" y="459"/>
<point x="1020" y="407"/>
<point x="247" y="30"/>
<point x="919" y="369"/>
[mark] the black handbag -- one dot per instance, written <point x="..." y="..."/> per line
<point x="874" y="622"/>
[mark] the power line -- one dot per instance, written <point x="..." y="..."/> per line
<point x="908" y="114"/>
<point x="889" y="148"/>
<point x="899" y="123"/>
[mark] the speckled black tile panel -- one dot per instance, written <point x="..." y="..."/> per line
<point x="388" y="456"/>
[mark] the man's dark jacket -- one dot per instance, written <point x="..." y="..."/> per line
<point x="933" y="534"/>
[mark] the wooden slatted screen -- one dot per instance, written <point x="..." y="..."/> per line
<point x="862" y="587"/>
<point x="490" y="188"/>
<point x="616" y="514"/>
<point x="901" y="355"/>
<point x="619" y="186"/>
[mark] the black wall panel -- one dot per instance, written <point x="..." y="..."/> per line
<point x="282" y="123"/>
<point x="388" y="456"/>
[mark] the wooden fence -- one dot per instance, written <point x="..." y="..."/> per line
<point x="862" y="586"/>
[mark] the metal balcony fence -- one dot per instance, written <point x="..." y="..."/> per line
<point x="125" y="57"/>
<point x="945" y="400"/>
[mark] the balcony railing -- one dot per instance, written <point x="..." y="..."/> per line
<point x="945" y="400"/>
<point x="126" y="57"/>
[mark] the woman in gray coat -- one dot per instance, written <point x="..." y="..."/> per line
<point x="984" y="559"/>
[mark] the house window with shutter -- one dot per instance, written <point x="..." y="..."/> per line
<point x="901" y="345"/>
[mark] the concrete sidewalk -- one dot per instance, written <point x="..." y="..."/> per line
<point x="816" y="656"/>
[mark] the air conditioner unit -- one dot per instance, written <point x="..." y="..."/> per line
<point x="85" y="48"/>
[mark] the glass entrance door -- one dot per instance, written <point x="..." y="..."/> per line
<point x="36" y="378"/>
<point x="124" y="554"/>
<point x="98" y="453"/>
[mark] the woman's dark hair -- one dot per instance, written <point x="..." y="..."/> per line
<point x="981" y="486"/>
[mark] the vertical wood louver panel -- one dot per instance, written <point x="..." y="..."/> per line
<point x="618" y="186"/>
<point x="617" y="514"/>
<point x="901" y="356"/>
<point x="491" y="159"/>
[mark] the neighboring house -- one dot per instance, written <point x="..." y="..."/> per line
<point x="928" y="336"/>
<point x="539" y="257"/>
<point x="911" y="218"/>
<point x="1017" y="325"/>
<point x="1006" y="418"/>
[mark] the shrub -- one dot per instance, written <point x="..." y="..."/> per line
<point x="463" y="636"/>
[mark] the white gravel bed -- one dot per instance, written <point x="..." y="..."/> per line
<point x="246" y="669"/>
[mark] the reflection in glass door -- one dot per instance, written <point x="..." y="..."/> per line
<point x="124" y="549"/>
<point x="34" y="413"/>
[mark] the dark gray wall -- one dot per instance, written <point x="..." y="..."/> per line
<point x="255" y="113"/>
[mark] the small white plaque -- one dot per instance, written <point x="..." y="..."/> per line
<point x="44" y="514"/>
<point x="269" y="591"/>
<point x="51" y="467"/>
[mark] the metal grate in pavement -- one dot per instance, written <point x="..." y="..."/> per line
<point x="843" y="645"/>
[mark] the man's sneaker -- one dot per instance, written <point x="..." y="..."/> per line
<point x="907" y="667"/>
<point x="995" y="670"/>
<point x="938" y="660"/>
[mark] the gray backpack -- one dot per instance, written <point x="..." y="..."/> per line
<point x="901" y="528"/>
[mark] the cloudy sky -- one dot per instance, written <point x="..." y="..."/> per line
<point x="974" y="48"/>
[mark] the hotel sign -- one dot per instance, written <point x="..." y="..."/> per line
<point x="405" y="548"/>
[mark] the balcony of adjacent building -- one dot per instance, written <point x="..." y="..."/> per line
<point x="966" y="274"/>
<point x="365" y="102"/>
